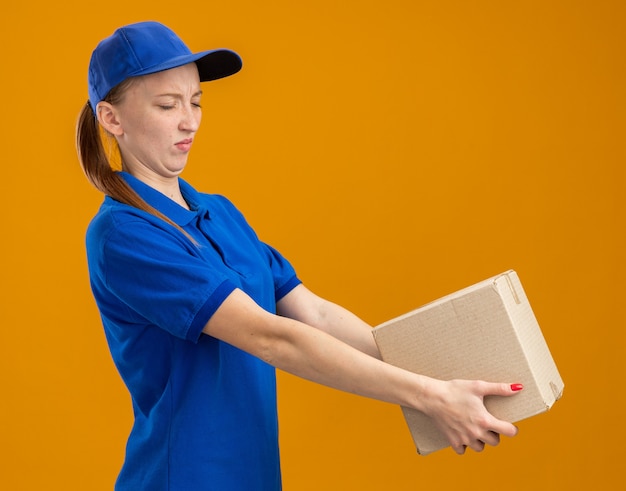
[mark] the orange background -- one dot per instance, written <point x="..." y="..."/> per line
<point x="395" y="151"/>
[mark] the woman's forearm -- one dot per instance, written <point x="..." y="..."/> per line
<point x="311" y="353"/>
<point x="303" y="305"/>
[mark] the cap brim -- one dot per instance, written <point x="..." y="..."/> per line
<point x="212" y="65"/>
<point x="218" y="63"/>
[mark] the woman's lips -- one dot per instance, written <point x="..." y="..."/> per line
<point x="184" y="145"/>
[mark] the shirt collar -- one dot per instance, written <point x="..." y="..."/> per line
<point x="165" y="205"/>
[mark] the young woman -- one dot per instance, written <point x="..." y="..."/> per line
<point x="197" y="311"/>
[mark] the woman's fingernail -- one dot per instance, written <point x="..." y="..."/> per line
<point x="516" y="387"/>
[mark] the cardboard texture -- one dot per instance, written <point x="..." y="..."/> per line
<point x="487" y="331"/>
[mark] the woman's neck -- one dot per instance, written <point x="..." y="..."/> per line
<point x="168" y="186"/>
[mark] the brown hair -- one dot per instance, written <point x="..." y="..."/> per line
<point x="97" y="165"/>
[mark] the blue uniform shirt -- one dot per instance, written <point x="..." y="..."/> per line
<point x="205" y="411"/>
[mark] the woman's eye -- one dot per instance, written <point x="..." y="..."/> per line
<point x="165" y="107"/>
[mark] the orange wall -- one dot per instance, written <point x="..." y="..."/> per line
<point x="395" y="151"/>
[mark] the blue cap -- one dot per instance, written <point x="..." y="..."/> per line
<point x="149" y="47"/>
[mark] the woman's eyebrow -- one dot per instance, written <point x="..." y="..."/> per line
<point x="178" y="95"/>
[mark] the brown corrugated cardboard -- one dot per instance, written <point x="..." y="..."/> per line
<point x="487" y="331"/>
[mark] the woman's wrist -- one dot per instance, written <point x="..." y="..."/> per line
<point x="427" y="394"/>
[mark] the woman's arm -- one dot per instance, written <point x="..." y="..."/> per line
<point x="305" y="306"/>
<point x="456" y="407"/>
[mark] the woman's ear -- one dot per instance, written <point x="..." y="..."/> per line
<point x="107" y="117"/>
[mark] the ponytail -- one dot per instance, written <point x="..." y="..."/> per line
<point x="97" y="166"/>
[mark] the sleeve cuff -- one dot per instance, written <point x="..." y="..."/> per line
<point x="208" y="309"/>
<point x="287" y="287"/>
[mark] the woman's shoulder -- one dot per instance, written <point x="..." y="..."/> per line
<point x="114" y="218"/>
<point x="113" y="213"/>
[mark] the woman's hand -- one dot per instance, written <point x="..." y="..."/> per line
<point x="458" y="410"/>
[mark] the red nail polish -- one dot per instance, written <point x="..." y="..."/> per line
<point x="516" y="387"/>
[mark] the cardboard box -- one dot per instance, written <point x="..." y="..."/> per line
<point x="487" y="331"/>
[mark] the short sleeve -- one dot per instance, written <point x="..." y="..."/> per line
<point x="285" y="278"/>
<point x="161" y="281"/>
<point x="283" y="273"/>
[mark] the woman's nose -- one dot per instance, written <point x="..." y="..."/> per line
<point x="190" y="118"/>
